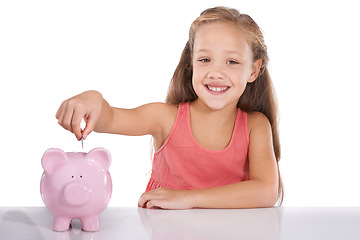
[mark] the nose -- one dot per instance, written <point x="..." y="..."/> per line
<point x="216" y="73"/>
<point x="215" y="76"/>
<point x="77" y="194"/>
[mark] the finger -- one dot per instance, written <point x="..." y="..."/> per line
<point x="154" y="204"/>
<point x="146" y="197"/>
<point x="75" y="123"/>
<point x="139" y="205"/>
<point x="58" y="112"/>
<point x="142" y="201"/>
<point x="89" y="127"/>
<point x="149" y="204"/>
<point x="61" y="111"/>
<point x="59" y="116"/>
<point x="65" y="118"/>
<point x="142" y="204"/>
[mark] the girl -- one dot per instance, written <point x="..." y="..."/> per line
<point x="215" y="139"/>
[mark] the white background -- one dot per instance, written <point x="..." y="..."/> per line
<point x="52" y="50"/>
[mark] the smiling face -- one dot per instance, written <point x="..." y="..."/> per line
<point x="222" y="65"/>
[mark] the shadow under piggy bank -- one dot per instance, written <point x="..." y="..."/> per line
<point x="76" y="185"/>
<point x="16" y="224"/>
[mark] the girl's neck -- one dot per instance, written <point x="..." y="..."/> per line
<point x="201" y="109"/>
<point x="212" y="129"/>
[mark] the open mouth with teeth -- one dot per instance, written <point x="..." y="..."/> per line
<point x="217" y="89"/>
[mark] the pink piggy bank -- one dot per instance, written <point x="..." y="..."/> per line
<point x="76" y="185"/>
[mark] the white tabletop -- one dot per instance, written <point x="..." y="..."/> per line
<point x="200" y="224"/>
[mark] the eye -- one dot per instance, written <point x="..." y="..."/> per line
<point x="72" y="176"/>
<point x="232" y="62"/>
<point x="204" y="60"/>
<point x="80" y="176"/>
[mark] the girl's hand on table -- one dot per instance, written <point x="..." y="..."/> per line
<point x="166" y="198"/>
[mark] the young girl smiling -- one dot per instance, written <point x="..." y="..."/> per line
<point x="215" y="139"/>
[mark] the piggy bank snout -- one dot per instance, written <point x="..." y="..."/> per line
<point x="77" y="194"/>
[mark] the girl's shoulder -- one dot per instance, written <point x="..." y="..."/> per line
<point x="165" y="114"/>
<point x="257" y="121"/>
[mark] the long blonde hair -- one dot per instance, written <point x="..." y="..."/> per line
<point x="258" y="96"/>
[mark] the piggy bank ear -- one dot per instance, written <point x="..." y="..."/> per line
<point x="52" y="157"/>
<point x="101" y="156"/>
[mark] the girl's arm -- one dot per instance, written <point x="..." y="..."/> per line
<point x="259" y="191"/>
<point x="101" y="117"/>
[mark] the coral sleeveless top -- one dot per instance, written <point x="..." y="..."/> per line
<point x="182" y="163"/>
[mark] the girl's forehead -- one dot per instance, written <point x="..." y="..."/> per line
<point x="220" y="35"/>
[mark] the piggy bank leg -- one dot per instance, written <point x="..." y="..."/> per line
<point x="61" y="224"/>
<point x="91" y="224"/>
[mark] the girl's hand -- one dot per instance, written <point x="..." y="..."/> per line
<point x="166" y="198"/>
<point x="85" y="106"/>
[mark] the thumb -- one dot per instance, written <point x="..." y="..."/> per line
<point x="90" y="124"/>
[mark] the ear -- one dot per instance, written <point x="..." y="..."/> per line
<point x="51" y="158"/>
<point x="101" y="156"/>
<point x="255" y="70"/>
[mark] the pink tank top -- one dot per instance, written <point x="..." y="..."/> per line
<point x="182" y="163"/>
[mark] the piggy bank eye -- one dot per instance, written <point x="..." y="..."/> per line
<point x="80" y="176"/>
<point x="72" y="176"/>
